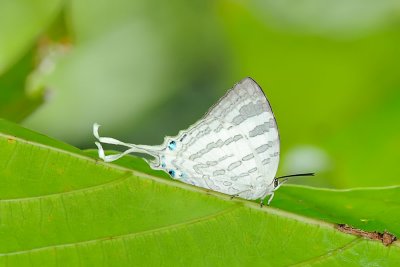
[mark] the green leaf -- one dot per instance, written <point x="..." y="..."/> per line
<point x="370" y="209"/>
<point x="60" y="206"/>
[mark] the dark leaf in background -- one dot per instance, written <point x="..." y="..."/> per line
<point x="15" y="102"/>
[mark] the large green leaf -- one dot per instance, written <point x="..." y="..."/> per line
<point x="60" y="206"/>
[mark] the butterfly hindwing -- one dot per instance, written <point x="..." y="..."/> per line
<point x="233" y="149"/>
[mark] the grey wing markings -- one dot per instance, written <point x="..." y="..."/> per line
<point x="203" y="164"/>
<point x="220" y="175"/>
<point x="255" y="152"/>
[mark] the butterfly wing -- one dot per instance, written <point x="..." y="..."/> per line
<point x="233" y="149"/>
<point x="246" y="107"/>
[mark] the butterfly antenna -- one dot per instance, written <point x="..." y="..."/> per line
<point x="299" y="174"/>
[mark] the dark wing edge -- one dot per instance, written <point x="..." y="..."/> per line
<point x="273" y="114"/>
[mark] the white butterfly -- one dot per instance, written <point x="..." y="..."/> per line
<point x="233" y="149"/>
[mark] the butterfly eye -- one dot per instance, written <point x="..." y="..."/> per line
<point x="172" y="145"/>
<point x="172" y="173"/>
<point x="276" y="183"/>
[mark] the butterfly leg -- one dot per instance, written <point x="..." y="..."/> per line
<point x="233" y="196"/>
<point x="269" y="200"/>
<point x="237" y="194"/>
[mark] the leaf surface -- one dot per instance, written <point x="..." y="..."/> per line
<point x="60" y="206"/>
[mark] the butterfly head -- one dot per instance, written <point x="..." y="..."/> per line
<point x="278" y="182"/>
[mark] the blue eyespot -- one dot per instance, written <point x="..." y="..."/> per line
<point x="172" y="145"/>
<point x="172" y="173"/>
<point x="163" y="165"/>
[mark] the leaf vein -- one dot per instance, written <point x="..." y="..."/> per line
<point x="123" y="237"/>
<point x="330" y="253"/>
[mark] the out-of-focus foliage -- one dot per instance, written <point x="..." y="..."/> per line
<point x="147" y="69"/>
<point x="16" y="102"/>
<point x="20" y="24"/>
<point x="334" y="89"/>
<point x="124" y="64"/>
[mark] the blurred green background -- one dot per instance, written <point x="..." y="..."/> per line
<point x="146" y="69"/>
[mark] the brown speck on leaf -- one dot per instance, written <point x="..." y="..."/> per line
<point x="11" y="140"/>
<point x="386" y="238"/>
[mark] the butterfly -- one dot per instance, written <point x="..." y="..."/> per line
<point x="233" y="149"/>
